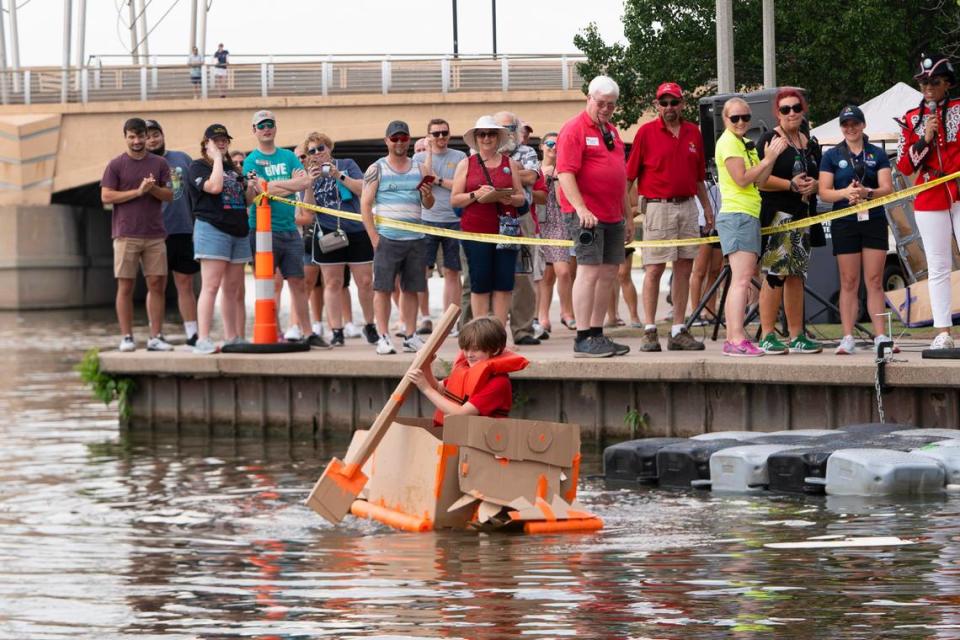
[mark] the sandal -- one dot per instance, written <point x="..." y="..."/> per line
<point x="569" y="323"/>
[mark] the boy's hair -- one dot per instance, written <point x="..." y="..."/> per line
<point x="136" y="125"/>
<point x="483" y="334"/>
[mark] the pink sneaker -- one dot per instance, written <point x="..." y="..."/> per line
<point x="744" y="349"/>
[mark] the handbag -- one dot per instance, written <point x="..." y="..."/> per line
<point x="508" y="224"/>
<point x="328" y="242"/>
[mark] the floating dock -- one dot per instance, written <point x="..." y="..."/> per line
<point x="681" y="394"/>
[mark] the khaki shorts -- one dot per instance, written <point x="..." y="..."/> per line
<point x="670" y="221"/>
<point x="130" y="253"/>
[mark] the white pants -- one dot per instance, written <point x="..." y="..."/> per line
<point x="937" y="229"/>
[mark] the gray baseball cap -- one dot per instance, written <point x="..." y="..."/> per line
<point x="397" y="126"/>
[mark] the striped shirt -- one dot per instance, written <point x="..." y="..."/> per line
<point x="398" y="199"/>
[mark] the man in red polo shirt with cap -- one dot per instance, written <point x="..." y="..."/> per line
<point x="593" y="195"/>
<point x="667" y="162"/>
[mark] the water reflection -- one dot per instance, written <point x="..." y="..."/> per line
<point x="164" y="537"/>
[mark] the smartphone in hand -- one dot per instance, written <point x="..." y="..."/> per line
<point x="425" y="180"/>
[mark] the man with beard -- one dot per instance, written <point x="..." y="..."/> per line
<point x="178" y="223"/>
<point x="135" y="184"/>
<point x="667" y="161"/>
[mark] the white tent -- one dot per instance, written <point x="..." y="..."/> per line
<point x="879" y="112"/>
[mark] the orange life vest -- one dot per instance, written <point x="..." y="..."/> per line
<point x="464" y="379"/>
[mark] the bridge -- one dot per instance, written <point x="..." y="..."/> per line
<point x="59" y="128"/>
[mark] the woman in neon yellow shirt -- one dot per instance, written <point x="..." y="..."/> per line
<point x="738" y="224"/>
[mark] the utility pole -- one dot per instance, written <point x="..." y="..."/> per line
<point x="144" y="32"/>
<point x="134" y="42"/>
<point x="769" y="46"/>
<point x="193" y="26"/>
<point x="493" y="9"/>
<point x="725" y="79"/>
<point x="15" y="46"/>
<point x="3" y="59"/>
<point x="81" y="33"/>
<point x="67" y="19"/>
<point x="202" y="30"/>
<point x="456" y="37"/>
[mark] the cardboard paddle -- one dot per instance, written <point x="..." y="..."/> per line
<point x="342" y="481"/>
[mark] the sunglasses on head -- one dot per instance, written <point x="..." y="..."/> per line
<point x="266" y="124"/>
<point x="671" y="102"/>
<point x="932" y="82"/>
<point x="487" y="133"/>
<point x="400" y="137"/>
<point x="440" y="134"/>
<point x="550" y="144"/>
<point x="787" y="108"/>
<point x="739" y="117"/>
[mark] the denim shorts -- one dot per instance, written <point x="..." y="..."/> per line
<point x="491" y="269"/>
<point x="404" y="258"/>
<point x="210" y="243"/>
<point x="738" y="232"/>
<point x="287" y="252"/>
<point x="451" y="246"/>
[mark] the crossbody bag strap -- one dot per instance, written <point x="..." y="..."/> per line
<point x="486" y="174"/>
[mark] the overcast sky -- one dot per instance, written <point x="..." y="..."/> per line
<point x="317" y="27"/>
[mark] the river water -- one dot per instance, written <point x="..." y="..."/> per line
<point x="107" y="536"/>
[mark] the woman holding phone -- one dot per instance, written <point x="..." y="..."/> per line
<point x="220" y="195"/>
<point x="738" y="223"/>
<point x="856" y="171"/>
<point x="487" y="187"/>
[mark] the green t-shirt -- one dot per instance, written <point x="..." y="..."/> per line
<point x="734" y="198"/>
<point x="279" y="165"/>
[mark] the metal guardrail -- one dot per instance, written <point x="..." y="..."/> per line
<point x="50" y="85"/>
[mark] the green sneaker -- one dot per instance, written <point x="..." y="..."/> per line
<point x="803" y="344"/>
<point x="771" y="345"/>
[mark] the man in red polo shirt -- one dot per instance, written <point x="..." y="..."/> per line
<point x="667" y="161"/>
<point x="593" y="194"/>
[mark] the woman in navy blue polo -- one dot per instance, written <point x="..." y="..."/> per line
<point x="853" y="172"/>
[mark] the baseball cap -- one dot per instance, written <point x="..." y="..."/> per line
<point x="215" y="130"/>
<point x="852" y="112"/>
<point x="153" y="124"/>
<point x="397" y="126"/>
<point x="671" y="88"/>
<point x="262" y="115"/>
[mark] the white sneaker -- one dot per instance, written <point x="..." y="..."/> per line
<point x="846" y="347"/>
<point x="942" y="341"/>
<point x="351" y="330"/>
<point x="455" y="332"/>
<point x="882" y="338"/>
<point x="538" y="329"/>
<point x="412" y="344"/>
<point x="205" y="347"/>
<point x="127" y="344"/>
<point x="293" y="333"/>
<point x="385" y="346"/>
<point x="158" y="343"/>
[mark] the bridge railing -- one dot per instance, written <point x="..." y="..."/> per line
<point x="327" y="77"/>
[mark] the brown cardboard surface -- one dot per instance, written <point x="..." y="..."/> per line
<point x="502" y="481"/>
<point x="554" y="443"/>
<point x="912" y="304"/>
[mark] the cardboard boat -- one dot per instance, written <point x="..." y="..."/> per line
<point x="475" y="473"/>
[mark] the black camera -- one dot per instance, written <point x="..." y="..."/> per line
<point x="586" y="236"/>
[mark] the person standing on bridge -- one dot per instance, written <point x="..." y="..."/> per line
<point x="285" y="176"/>
<point x="135" y="183"/>
<point x="591" y="166"/>
<point x="668" y="164"/>
<point x="220" y="70"/>
<point x="178" y="223"/>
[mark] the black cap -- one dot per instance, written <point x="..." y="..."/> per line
<point x="397" y="126"/>
<point x="215" y="130"/>
<point x="153" y="124"/>
<point x="852" y="112"/>
<point x="935" y="64"/>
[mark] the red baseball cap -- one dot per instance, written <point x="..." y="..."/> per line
<point x="671" y="88"/>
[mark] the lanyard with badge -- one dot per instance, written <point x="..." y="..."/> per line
<point x="859" y="167"/>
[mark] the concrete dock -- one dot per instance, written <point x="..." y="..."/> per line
<point x="307" y="395"/>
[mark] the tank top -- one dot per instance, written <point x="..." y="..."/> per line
<point x="398" y="199"/>
<point x="484" y="217"/>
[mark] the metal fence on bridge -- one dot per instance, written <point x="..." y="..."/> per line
<point x="327" y="77"/>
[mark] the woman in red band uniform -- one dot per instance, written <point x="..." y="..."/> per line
<point x="929" y="146"/>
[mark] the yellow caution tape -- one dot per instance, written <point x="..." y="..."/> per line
<point x="682" y="242"/>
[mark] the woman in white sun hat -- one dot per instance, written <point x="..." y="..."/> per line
<point x="487" y="188"/>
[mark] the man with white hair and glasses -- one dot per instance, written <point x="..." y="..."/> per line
<point x="591" y="166"/>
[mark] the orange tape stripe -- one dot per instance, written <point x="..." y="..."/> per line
<point x="444" y="451"/>
<point x="571" y="494"/>
<point x="545" y="509"/>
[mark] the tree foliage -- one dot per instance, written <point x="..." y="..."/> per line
<point x="839" y="52"/>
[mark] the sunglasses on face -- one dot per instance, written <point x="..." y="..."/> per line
<point x="266" y="124"/>
<point x="739" y="117"/>
<point x="487" y="133"/>
<point x="673" y="102"/>
<point x="440" y="134"/>
<point x="402" y="137"/>
<point x="784" y="109"/>
<point x="315" y="150"/>
<point x="930" y="82"/>
<point x="550" y="144"/>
